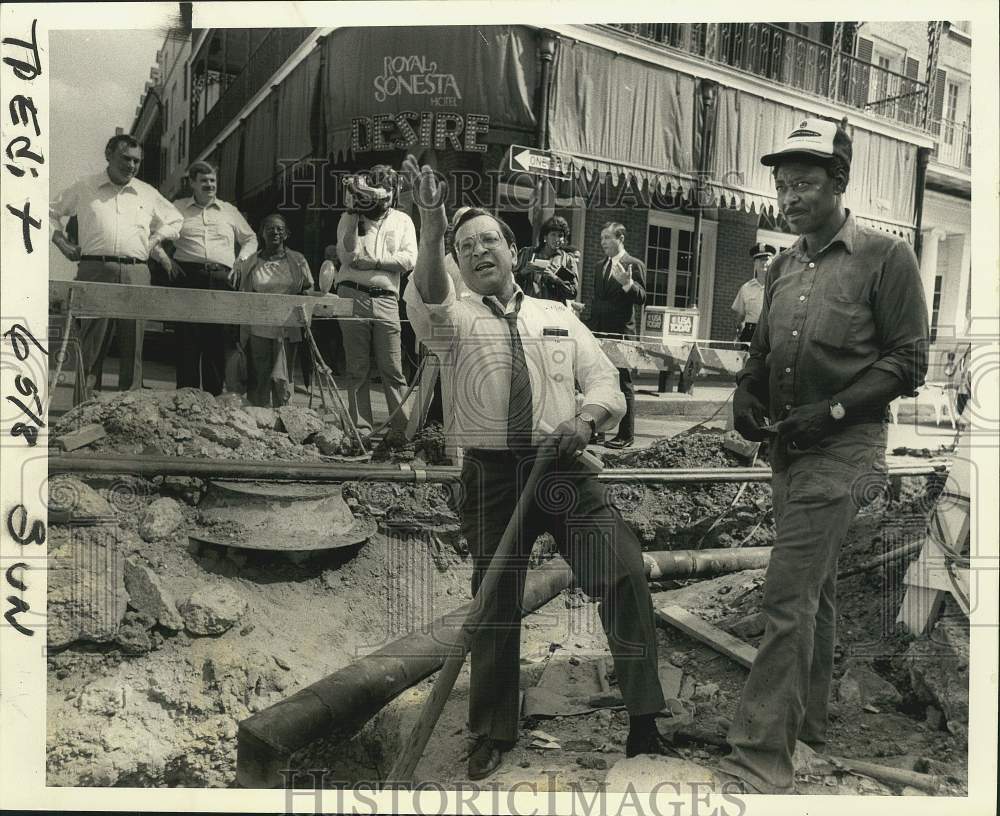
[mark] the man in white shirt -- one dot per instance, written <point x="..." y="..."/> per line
<point x="376" y="244"/>
<point x="205" y="258"/>
<point x="514" y="360"/>
<point x="122" y="222"/>
<point x="750" y="299"/>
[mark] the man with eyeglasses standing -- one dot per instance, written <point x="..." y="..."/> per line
<point x="842" y="332"/>
<point x="514" y="360"/>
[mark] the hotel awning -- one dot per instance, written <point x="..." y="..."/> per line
<point x="621" y="116"/>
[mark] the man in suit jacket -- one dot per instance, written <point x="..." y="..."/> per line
<point x="619" y="286"/>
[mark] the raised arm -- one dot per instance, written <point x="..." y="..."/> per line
<point x="429" y="274"/>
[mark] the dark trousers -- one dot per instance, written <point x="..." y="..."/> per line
<point x="95" y="333"/>
<point x="816" y="495"/>
<point x="606" y="560"/>
<point x="746" y="333"/>
<point x="203" y="348"/>
<point x="626" y="428"/>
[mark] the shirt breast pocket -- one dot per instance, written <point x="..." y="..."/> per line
<point x="836" y="323"/>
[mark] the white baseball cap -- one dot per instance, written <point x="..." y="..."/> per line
<point x="813" y="138"/>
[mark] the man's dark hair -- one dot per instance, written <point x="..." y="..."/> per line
<point x="616" y="227"/>
<point x="117" y="139"/>
<point x="475" y="212"/>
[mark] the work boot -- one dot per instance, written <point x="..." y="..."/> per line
<point x="486" y="757"/>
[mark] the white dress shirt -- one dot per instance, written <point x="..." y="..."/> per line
<point x="393" y="238"/>
<point x="473" y="343"/>
<point x="124" y="221"/>
<point x="209" y="233"/>
<point x="749" y="301"/>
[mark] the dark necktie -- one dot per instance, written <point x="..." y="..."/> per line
<point x="519" y="420"/>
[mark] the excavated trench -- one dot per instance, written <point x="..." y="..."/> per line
<point x="176" y="637"/>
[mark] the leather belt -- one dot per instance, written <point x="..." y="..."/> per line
<point x="204" y="267"/>
<point x="372" y="291"/>
<point x="111" y="259"/>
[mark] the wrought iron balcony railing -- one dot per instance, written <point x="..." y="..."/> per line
<point x="783" y="57"/>
<point x="262" y="63"/>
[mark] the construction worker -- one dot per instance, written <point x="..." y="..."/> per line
<point x="842" y="332"/>
<point x="750" y="298"/>
<point x="514" y="360"/>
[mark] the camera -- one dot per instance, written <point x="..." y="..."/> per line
<point x="360" y="194"/>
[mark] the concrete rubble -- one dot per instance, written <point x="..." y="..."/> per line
<point x="194" y="638"/>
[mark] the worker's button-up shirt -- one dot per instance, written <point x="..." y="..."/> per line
<point x="749" y="301"/>
<point x="474" y="344"/>
<point x="124" y="221"/>
<point x="856" y="304"/>
<point x="392" y="238"/>
<point x="209" y="233"/>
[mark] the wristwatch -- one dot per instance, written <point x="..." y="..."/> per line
<point x="586" y="417"/>
<point x="837" y="411"/>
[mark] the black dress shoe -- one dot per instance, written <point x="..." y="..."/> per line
<point x="486" y="757"/>
<point x="648" y="741"/>
<point x="619" y="442"/>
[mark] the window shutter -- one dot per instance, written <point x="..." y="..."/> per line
<point x="912" y="68"/>
<point x="864" y="55"/>
<point x="939" y="83"/>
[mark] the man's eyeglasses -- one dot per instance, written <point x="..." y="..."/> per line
<point x="490" y="239"/>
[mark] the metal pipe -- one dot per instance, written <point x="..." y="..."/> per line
<point x="341" y="703"/>
<point x="923" y="157"/>
<point x="345" y="472"/>
<point x="672" y="564"/>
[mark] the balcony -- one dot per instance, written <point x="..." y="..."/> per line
<point x="231" y="66"/>
<point x="784" y="58"/>
<point x="953" y="146"/>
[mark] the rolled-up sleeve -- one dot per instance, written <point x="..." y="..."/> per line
<point x="64" y="206"/>
<point x="597" y="376"/>
<point x="166" y="223"/>
<point x="900" y="312"/>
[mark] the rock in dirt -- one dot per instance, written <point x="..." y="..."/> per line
<point x="161" y="518"/>
<point x="86" y="593"/>
<point x="188" y="489"/>
<point x="860" y="686"/>
<point x="266" y="418"/>
<point x="133" y="635"/>
<point x="597" y="763"/>
<point x="148" y="596"/>
<point x="940" y="677"/>
<point x="298" y="423"/>
<point x="647" y="773"/>
<point x="212" y="610"/>
<point x="330" y="440"/>
<point x="71" y="498"/>
<point x="223" y="435"/>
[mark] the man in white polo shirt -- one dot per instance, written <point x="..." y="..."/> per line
<point x="204" y="258"/>
<point x="750" y="298"/>
<point x="122" y="222"/>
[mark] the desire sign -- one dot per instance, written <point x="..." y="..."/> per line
<point x="406" y="129"/>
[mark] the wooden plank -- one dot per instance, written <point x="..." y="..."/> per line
<point x="700" y="630"/>
<point x="80" y="438"/>
<point x="193" y="305"/>
<point x="425" y="395"/>
<point x="920" y="608"/>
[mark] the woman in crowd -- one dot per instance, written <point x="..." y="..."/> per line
<point x="549" y="270"/>
<point x="274" y="270"/>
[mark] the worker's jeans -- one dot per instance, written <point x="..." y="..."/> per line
<point x="373" y="330"/>
<point x="606" y="560"/>
<point x="817" y="493"/>
<point x="95" y="333"/>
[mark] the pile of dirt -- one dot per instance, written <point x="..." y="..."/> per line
<point x="695" y="515"/>
<point x="192" y="423"/>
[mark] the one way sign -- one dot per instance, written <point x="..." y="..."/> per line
<point x="539" y="162"/>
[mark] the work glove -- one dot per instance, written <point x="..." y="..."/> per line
<point x="748" y="415"/>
